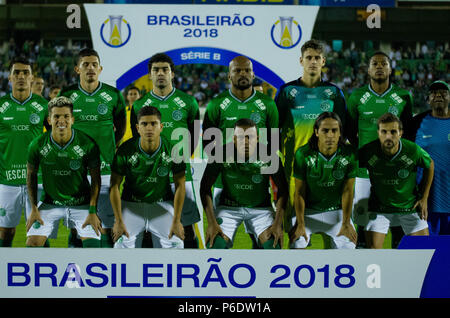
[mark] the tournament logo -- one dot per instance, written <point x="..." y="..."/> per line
<point x="119" y="31"/>
<point x="289" y="36"/>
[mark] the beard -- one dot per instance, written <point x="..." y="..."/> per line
<point x="242" y="84"/>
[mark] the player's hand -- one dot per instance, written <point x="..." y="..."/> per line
<point x="35" y="216"/>
<point x="276" y="231"/>
<point x="296" y="232"/>
<point x="176" y="229"/>
<point x="348" y="231"/>
<point x="422" y="206"/>
<point x="211" y="232"/>
<point x="94" y="221"/>
<point x="119" y="229"/>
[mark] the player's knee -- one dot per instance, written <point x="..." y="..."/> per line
<point x="7" y="233"/>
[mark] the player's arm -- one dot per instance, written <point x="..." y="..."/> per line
<point x="119" y="228"/>
<point x="347" y="228"/>
<point x="119" y="118"/>
<point x="406" y="117"/>
<point x="299" y="204"/>
<point x="32" y="185"/>
<point x="280" y="181"/>
<point x="352" y="123"/>
<point x="133" y="122"/>
<point x="424" y="190"/>
<point x="177" y="229"/>
<point x="340" y="108"/>
<point x="194" y="118"/>
<point x="92" y="219"/>
<point x="208" y="179"/>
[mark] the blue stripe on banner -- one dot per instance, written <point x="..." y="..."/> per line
<point x="199" y="55"/>
<point x="437" y="279"/>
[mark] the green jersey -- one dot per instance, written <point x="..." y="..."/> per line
<point x="226" y="109"/>
<point x="178" y="110"/>
<point x="243" y="183"/>
<point x="20" y="123"/>
<point x="324" y="177"/>
<point x="95" y="114"/>
<point x="393" y="179"/>
<point x="365" y="107"/>
<point x="299" y="106"/>
<point x="146" y="175"/>
<point x="65" y="169"/>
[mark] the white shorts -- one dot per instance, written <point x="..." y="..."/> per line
<point x="330" y="223"/>
<point x="14" y="200"/>
<point x="74" y="217"/>
<point x="155" y="218"/>
<point x="256" y="220"/>
<point x="361" y="201"/>
<point x="189" y="214"/>
<point x="410" y="223"/>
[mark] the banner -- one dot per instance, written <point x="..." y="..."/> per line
<point x="126" y="36"/>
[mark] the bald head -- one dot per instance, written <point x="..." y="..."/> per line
<point x="241" y="73"/>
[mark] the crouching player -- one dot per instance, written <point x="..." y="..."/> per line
<point x="65" y="156"/>
<point x="395" y="197"/>
<point x="147" y="203"/>
<point x="245" y="196"/>
<point x="324" y="171"/>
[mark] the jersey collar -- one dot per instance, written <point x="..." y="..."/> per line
<point x="165" y="97"/>
<point x="146" y="154"/>
<point x="378" y="95"/>
<point x="240" y="101"/>
<point x="400" y="147"/>
<point x="325" y="158"/>
<point x="66" y="145"/>
<point x="21" y="103"/>
<point x="90" y="94"/>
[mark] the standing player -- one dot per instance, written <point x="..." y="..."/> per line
<point x="37" y="86"/>
<point x="240" y="101"/>
<point x="178" y="110"/>
<point x="324" y="171"/>
<point x="395" y="197"/>
<point x="22" y="117"/>
<point x="431" y="131"/>
<point x="133" y="94"/>
<point x="53" y="91"/>
<point x="148" y="203"/>
<point x="245" y="196"/>
<point x="65" y="156"/>
<point x="99" y="111"/>
<point x="365" y="106"/>
<point x="299" y="104"/>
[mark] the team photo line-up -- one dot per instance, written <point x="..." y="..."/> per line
<point x="308" y="161"/>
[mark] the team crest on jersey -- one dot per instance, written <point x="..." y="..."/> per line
<point x="75" y="164"/>
<point x="403" y="173"/>
<point x="325" y="106"/>
<point x="256" y="117"/>
<point x="338" y="174"/>
<point x="177" y="115"/>
<point x="393" y="110"/>
<point x="102" y="109"/>
<point x="162" y="171"/>
<point x="257" y="178"/>
<point x="34" y="118"/>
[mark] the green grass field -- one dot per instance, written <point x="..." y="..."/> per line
<point x="242" y="240"/>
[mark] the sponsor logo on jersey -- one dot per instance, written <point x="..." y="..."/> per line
<point x="89" y="117"/>
<point x="106" y="96"/>
<point x="20" y="127"/>
<point x="380" y="101"/>
<point x="230" y="118"/>
<point x="310" y="116"/>
<point x="396" y="98"/>
<point x="239" y="186"/>
<point x="293" y="92"/>
<point x="364" y="98"/>
<point x="151" y="179"/>
<point x="179" y="102"/>
<point x="260" y="104"/>
<point x="326" y="184"/>
<point x="45" y="150"/>
<point x="8" y="118"/>
<point x="79" y="151"/>
<point x="328" y="93"/>
<point x="4" y="107"/>
<point x="372" y="160"/>
<point x="37" y="106"/>
<point x="14" y="174"/>
<point x="148" y="102"/>
<point x="133" y="159"/>
<point x="74" y="96"/>
<point x="61" y="173"/>
<point x="286" y="33"/>
<point x="225" y="103"/>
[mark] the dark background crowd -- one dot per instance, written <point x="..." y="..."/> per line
<point x="414" y="67"/>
